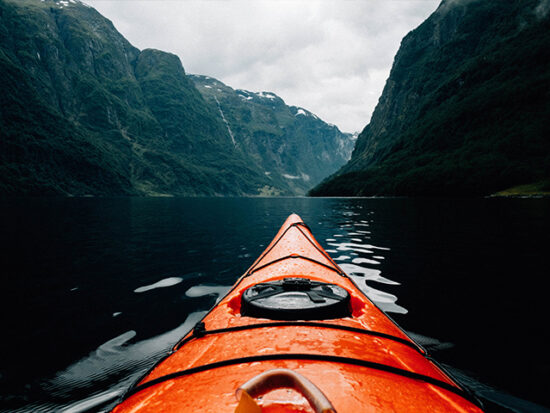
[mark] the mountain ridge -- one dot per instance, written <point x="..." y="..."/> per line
<point x="463" y="110"/>
<point x="269" y="130"/>
<point x="86" y="113"/>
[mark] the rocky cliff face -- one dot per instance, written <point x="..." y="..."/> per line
<point x="82" y="111"/>
<point x="292" y="145"/>
<point x="462" y="111"/>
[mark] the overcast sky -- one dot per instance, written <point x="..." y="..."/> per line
<point x="331" y="57"/>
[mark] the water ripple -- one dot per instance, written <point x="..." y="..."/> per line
<point x="203" y="290"/>
<point x="359" y="259"/>
<point x="116" y="361"/>
<point x="166" y="282"/>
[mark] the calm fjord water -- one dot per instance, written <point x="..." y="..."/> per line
<point x="94" y="291"/>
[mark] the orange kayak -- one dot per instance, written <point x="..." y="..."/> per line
<point x="295" y="334"/>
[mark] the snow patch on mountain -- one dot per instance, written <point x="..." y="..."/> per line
<point x="64" y="3"/>
<point x="304" y="112"/>
<point x="267" y="95"/>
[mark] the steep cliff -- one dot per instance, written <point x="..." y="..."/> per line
<point x="82" y="111"/>
<point x="291" y="144"/>
<point x="465" y="109"/>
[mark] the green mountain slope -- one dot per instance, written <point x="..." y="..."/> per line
<point x="293" y="146"/>
<point x="82" y="111"/>
<point x="465" y="109"/>
<point x="41" y="151"/>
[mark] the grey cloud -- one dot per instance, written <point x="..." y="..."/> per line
<point x="331" y="57"/>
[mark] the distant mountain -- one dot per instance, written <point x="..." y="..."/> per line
<point x="465" y="110"/>
<point x="292" y="145"/>
<point x="83" y="112"/>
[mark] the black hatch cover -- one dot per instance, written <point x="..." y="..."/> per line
<point x="295" y="299"/>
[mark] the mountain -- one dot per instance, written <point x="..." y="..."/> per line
<point x="293" y="146"/>
<point x="465" y="109"/>
<point x="83" y="112"/>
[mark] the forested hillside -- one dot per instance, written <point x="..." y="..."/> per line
<point x="83" y="112"/>
<point x="465" y="109"/>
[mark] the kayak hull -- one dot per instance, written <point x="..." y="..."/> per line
<point x="364" y="362"/>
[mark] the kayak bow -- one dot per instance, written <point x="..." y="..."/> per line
<point x="295" y="334"/>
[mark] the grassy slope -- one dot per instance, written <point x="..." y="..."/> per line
<point x="536" y="189"/>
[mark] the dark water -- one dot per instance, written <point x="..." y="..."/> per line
<point x="93" y="291"/>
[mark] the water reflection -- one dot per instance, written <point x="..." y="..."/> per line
<point x="205" y="290"/>
<point x="72" y="266"/>
<point x="165" y="282"/>
<point x="119" y="361"/>
<point x="362" y="259"/>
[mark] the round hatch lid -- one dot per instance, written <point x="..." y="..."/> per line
<point x="295" y="299"/>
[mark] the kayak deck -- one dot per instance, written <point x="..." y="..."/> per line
<point x="361" y="362"/>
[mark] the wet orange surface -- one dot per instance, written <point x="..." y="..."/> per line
<point x="349" y="387"/>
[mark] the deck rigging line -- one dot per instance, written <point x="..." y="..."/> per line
<point x="305" y="356"/>
<point x="200" y="331"/>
